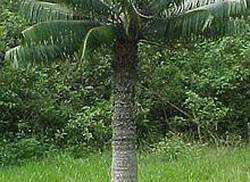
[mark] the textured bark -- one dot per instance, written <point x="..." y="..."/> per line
<point x="248" y="132"/>
<point x="124" y="164"/>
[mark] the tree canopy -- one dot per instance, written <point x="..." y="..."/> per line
<point x="64" y="28"/>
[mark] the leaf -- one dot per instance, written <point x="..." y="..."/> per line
<point x="156" y="6"/>
<point x="219" y="8"/>
<point x="98" y="6"/>
<point x="97" y="37"/>
<point x="51" y="40"/>
<point x="38" y="11"/>
<point x="37" y="53"/>
<point x="57" y="31"/>
<point x="191" y="20"/>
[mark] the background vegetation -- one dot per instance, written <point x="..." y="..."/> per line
<point x="199" y="92"/>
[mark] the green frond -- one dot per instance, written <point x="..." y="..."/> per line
<point x="235" y="26"/>
<point x="98" y="36"/>
<point x="218" y="8"/>
<point x="50" y="40"/>
<point x="39" y="11"/>
<point x="156" y="6"/>
<point x="24" y="55"/>
<point x="98" y="6"/>
<point x="181" y="26"/>
<point x="170" y="8"/>
<point x="57" y="31"/>
<point x="195" y="21"/>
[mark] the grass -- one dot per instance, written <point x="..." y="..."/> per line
<point x="222" y="165"/>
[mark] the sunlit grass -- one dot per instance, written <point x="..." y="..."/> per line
<point x="223" y="165"/>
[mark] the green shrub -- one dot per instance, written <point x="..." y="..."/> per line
<point x="206" y="113"/>
<point x="173" y="147"/>
<point x="21" y="150"/>
<point x="90" y="127"/>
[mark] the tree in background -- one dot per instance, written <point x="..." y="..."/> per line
<point x="72" y="28"/>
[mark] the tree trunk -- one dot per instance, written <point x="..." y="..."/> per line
<point x="248" y="132"/>
<point x="124" y="162"/>
<point x="199" y="132"/>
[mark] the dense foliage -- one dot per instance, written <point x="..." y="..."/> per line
<point x="200" y="90"/>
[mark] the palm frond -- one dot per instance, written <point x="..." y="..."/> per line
<point x="156" y="6"/>
<point x="195" y="21"/>
<point x="98" y="6"/>
<point x="181" y="26"/>
<point x="98" y="36"/>
<point x="23" y="54"/>
<point x="219" y="8"/>
<point x="57" y="31"/>
<point x="38" y="11"/>
<point x="235" y="26"/>
<point x="51" y="40"/>
<point x="173" y="7"/>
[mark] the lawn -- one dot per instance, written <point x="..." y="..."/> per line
<point x="213" y="165"/>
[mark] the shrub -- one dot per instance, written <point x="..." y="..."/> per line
<point x="21" y="150"/>
<point x="90" y="127"/>
<point x="173" y="147"/>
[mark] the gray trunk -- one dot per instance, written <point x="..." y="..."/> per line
<point x="124" y="163"/>
<point x="248" y="132"/>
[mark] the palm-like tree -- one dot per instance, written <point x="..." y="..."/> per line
<point x="66" y="28"/>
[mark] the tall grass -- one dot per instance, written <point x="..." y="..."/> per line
<point x="213" y="165"/>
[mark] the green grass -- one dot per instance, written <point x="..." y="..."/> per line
<point x="223" y="165"/>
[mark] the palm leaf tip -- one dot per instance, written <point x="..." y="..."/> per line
<point x="98" y="6"/>
<point x="11" y="56"/>
<point x="39" y="11"/>
<point x="38" y="53"/>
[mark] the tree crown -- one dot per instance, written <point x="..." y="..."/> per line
<point x="62" y="28"/>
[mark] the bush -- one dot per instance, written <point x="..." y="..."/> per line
<point x="21" y="150"/>
<point x="173" y="147"/>
<point x="206" y="113"/>
<point x="90" y="127"/>
<point x="217" y="72"/>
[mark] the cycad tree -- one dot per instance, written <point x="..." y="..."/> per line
<point x="70" y="28"/>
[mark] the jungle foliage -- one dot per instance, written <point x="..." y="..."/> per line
<point x="200" y="90"/>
